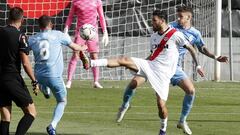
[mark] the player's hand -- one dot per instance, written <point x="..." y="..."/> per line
<point x="84" y="47"/>
<point x="65" y="30"/>
<point x="35" y="87"/>
<point x="105" y="39"/>
<point x="200" y="71"/>
<point x="222" y="59"/>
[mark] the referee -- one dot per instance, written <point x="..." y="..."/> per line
<point x="13" y="52"/>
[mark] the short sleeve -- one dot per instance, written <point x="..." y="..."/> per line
<point x="199" y="41"/>
<point x="65" y="39"/>
<point x="180" y="39"/>
<point x="23" y="44"/>
<point x="30" y="42"/>
<point x="151" y="45"/>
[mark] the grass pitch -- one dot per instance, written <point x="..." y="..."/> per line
<point x="93" y="111"/>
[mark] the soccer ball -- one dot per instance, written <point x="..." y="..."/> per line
<point x="88" y="32"/>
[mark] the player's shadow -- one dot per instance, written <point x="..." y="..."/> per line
<point x="209" y="121"/>
<point x="35" y="133"/>
<point x="213" y="121"/>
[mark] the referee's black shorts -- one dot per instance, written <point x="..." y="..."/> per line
<point x="13" y="88"/>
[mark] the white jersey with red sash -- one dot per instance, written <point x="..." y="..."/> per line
<point x="163" y="62"/>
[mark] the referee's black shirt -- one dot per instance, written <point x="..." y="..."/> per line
<point x="10" y="46"/>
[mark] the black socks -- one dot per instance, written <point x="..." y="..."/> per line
<point x="24" y="124"/>
<point x="4" y="127"/>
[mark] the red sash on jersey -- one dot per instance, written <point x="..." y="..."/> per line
<point x="162" y="44"/>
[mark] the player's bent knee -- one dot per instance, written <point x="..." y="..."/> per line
<point x="187" y="86"/>
<point x="161" y="103"/>
<point x="62" y="101"/>
<point x="123" y="60"/>
<point x="31" y="110"/>
<point x="191" y="92"/>
<point x="6" y="117"/>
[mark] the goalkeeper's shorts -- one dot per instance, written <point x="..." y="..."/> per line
<point x="93" y="44"/>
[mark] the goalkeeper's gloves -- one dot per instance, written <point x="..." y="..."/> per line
<point x="35" y="87"/>
<point x="105" y="39"/>
<point x="65" y="30"/>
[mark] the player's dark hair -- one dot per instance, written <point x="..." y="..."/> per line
<point x="161" y="14"/>
<point x="43" y="21"/>
<point x="185" y="9"/>
<point x="15" y="14"/>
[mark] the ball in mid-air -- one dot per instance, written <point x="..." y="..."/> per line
<point x="88" y="32"/>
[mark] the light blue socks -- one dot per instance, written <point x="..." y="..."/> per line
<point x="58" y="113"/>
<point x="127" y="97"/>
<point x="187" y="106"/>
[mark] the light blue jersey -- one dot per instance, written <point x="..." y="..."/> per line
<point x="192" y="35"/>
<point x="47" y="50"/>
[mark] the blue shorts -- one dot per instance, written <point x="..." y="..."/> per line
<point x="178" y="76"/>
<point x="57" y="86"/>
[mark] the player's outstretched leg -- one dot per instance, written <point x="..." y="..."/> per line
<point x="84" y="59"/>
<point x="115" y="62"/>
<point x="188" y="100"/>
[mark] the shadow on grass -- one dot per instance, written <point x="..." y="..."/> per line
<point x="35" y="133"/>
<point x="213" y="121"/>
<point x="209" y="121"/>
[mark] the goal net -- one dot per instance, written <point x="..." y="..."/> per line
<point x="129" y="26"/>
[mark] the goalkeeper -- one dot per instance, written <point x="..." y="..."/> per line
<point x="14" y="51"/>
<point x="87" y="12"/>
<point x="47" y="49"/>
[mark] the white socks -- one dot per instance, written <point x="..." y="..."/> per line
<point x="163" y="124"/>
<point x="99" y="63"/>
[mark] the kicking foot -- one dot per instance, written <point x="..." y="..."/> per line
<point x="85" y="60"/>
<point x="68" y="84"/>
<point x="51" y="130"/>
<point x="121" y="113"/>
<point x="184" y="126"/>
<point x="97" y="85"/>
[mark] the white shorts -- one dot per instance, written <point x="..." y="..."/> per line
<point x="158" y="78"/>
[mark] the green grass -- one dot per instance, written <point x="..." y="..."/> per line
<point x="92" y="111"/>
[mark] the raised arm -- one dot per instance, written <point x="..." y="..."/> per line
<point x="206" y="52"/>
<point x="69" y="19"/>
